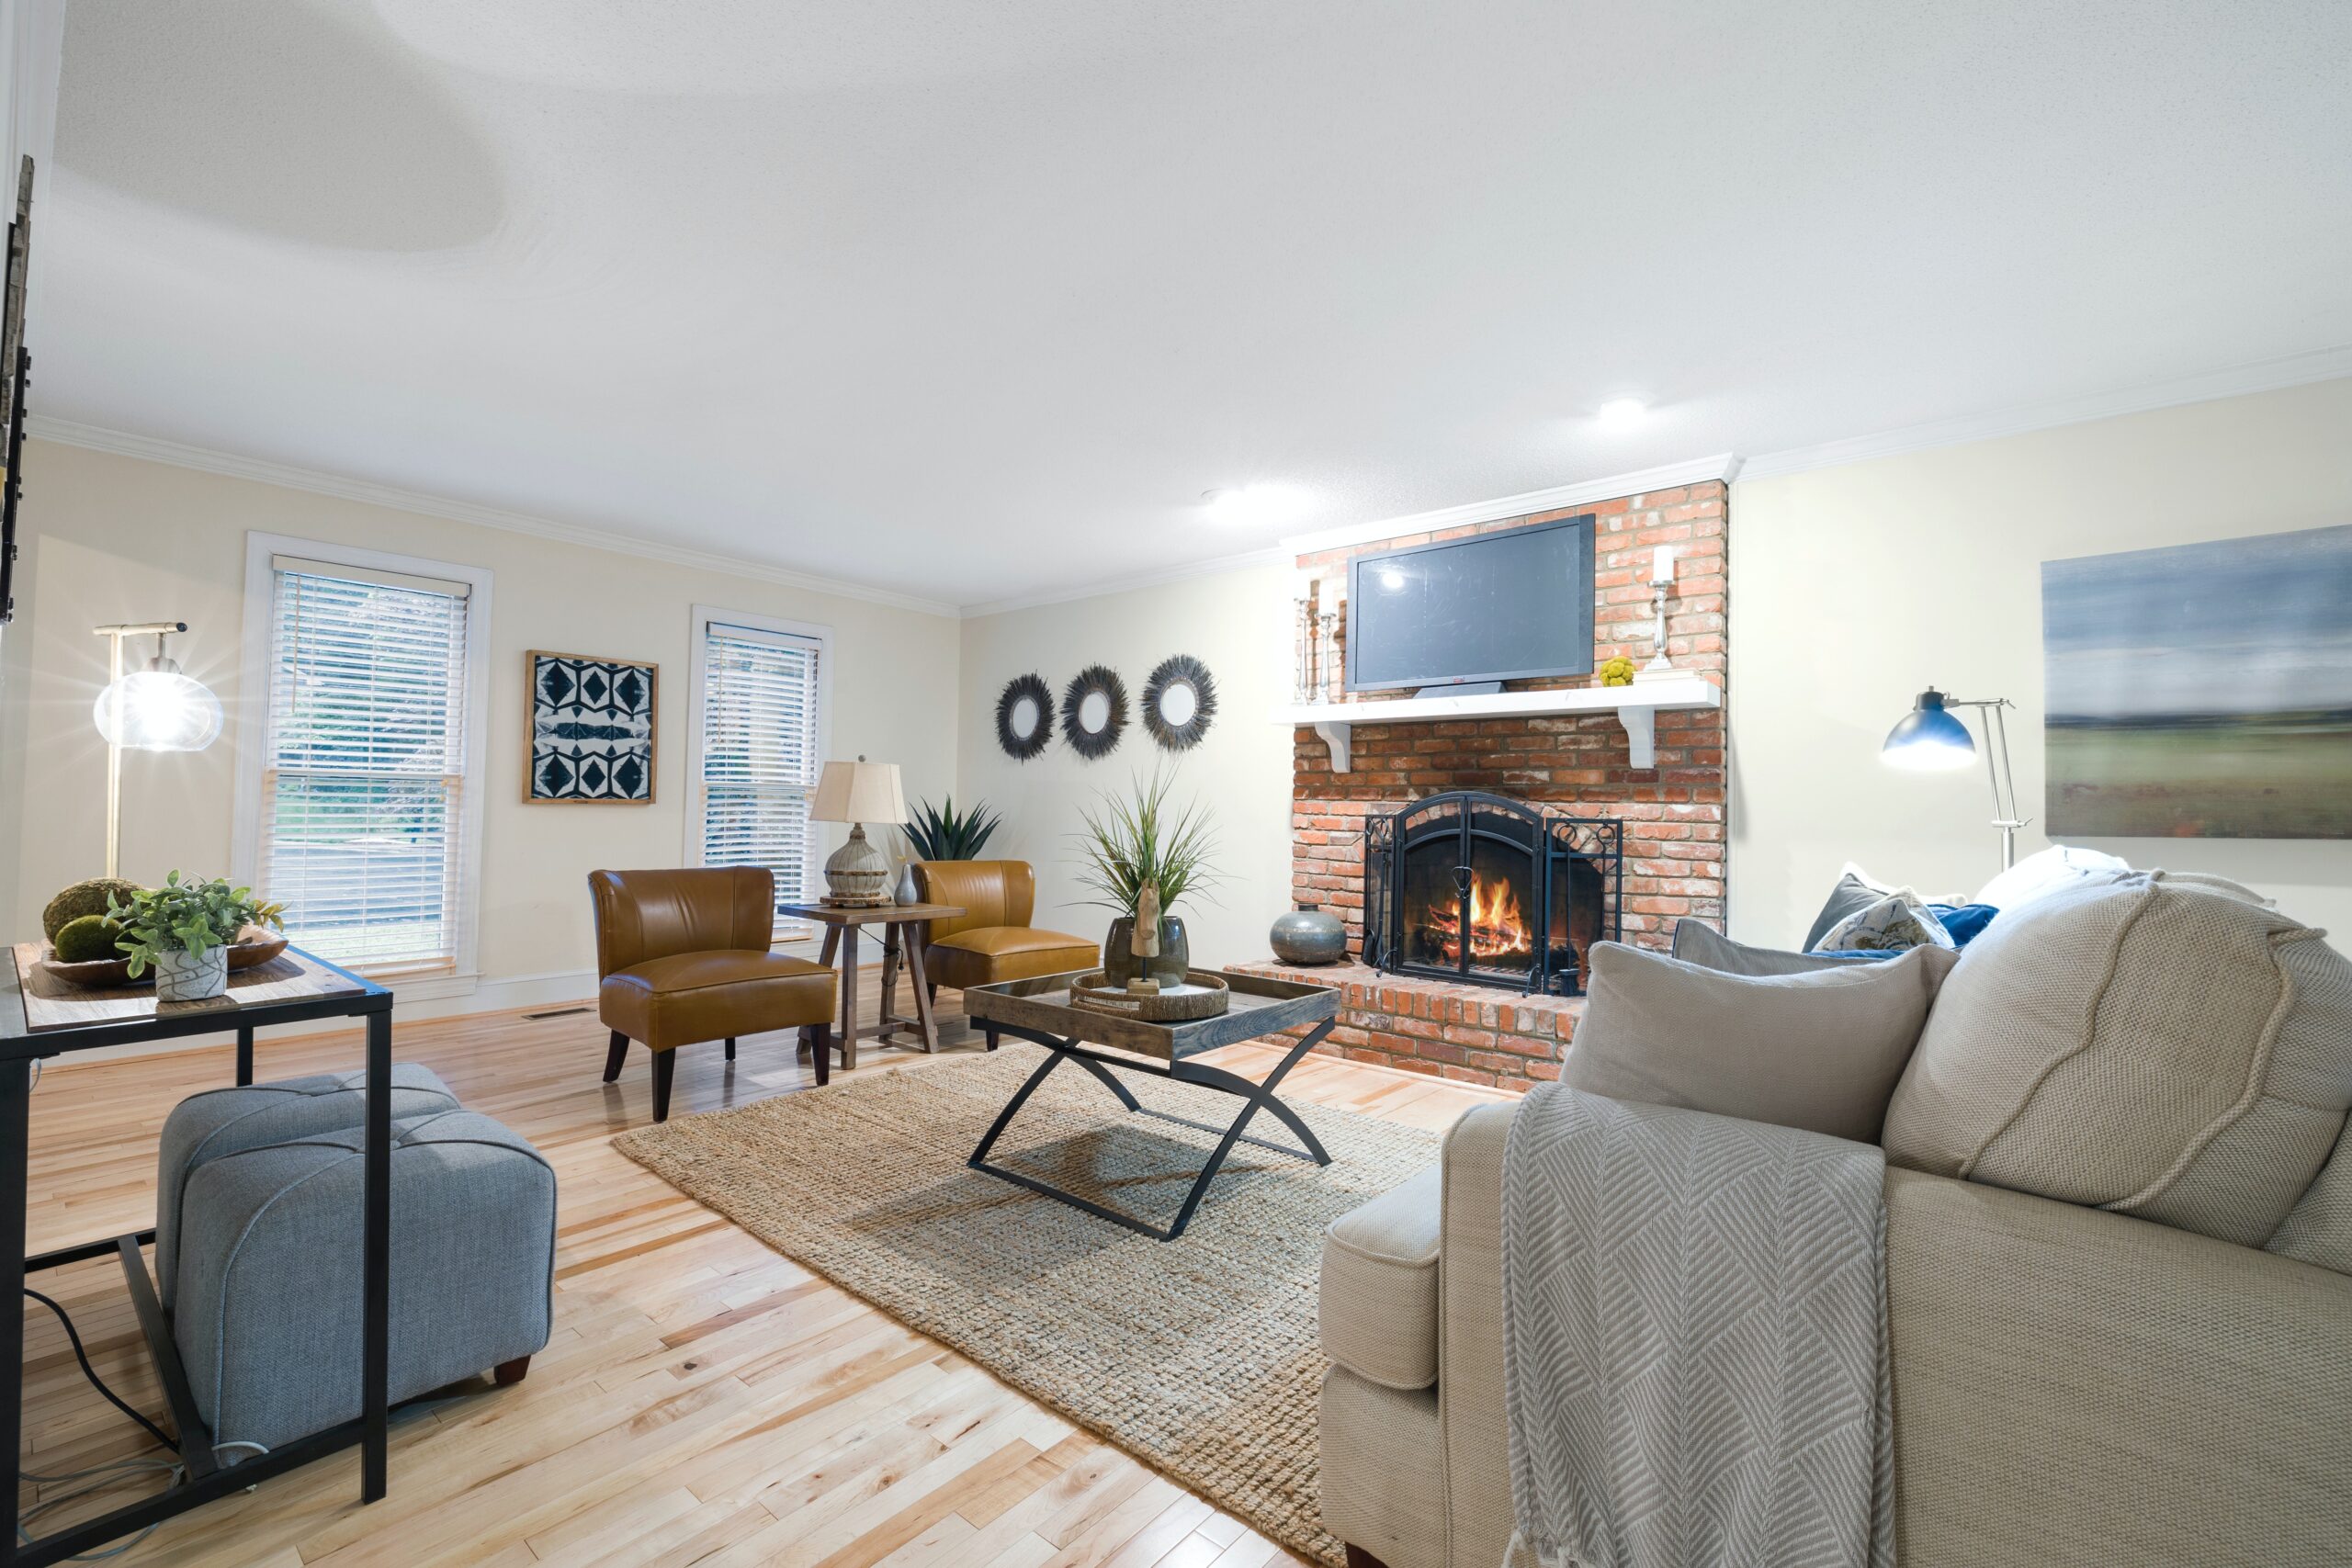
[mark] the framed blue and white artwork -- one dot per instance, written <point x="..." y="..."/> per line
<point x="593" y="724"/>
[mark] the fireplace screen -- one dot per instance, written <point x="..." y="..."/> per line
<point x="1481" y="888"/>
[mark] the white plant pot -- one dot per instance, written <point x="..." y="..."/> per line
<point x="188" y="977"/>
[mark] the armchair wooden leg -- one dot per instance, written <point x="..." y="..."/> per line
<point x="821" y="1051"/>
<point x="509" y="1373"/>
<point x="1359" y="1558"/>
<point x="665" y="1067"/>
<point x="730" y="1047"/>
<point x="614" y="1055"/>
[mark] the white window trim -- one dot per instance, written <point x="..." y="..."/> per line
<point x="250" y="725"/>
<point x="699" y="640"/>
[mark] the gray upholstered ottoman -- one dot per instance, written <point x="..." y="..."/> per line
<point x="268" y="1305"/>
<point x="225" y="1120"/>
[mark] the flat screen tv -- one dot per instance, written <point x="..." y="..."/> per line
<point x="1504" y="607"/>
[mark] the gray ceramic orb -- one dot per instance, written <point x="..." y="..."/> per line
<point x="1307" y="935"/>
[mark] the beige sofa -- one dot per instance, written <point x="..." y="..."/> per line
<point x="2071" y="1386"/>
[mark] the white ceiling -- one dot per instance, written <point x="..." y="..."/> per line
<point x="972" y="301"/>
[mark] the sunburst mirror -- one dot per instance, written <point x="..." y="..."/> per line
<point x="1178" y="701"/>
<point x="1025" y="717"/>
<point x="1094" y="711"/>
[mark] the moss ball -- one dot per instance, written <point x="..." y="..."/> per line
<point x="84" y="898"/>
<point x="87" y="938"/>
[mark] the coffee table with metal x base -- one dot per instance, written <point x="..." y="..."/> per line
<point x="1040" y="1011"/>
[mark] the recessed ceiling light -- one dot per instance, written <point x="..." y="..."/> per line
<point x="1251" y="503"/>
<point x="1618" y="414"/>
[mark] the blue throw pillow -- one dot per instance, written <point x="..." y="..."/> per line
<point x="1964" y="921"/>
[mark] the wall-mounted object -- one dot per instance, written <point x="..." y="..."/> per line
<point x="1025" y="717"/>
<point x="16" y="367"/>
<point x="1094" y="711"/>
<point x="1179" y="702"/>
<point x="1510" y="605"/>
<point x="594" y="724"/>
<point x="151" y="709"/>
<point x="2201" y="691"/>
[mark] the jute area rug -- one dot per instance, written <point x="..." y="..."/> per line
<point x="1197" y="1356"/>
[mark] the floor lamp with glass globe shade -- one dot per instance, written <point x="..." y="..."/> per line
<point x="153" y="708"/>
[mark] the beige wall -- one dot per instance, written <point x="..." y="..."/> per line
<point x="1233" y="622"/>
<point x="1854" y="587"/>
<point x="120" y="539"/>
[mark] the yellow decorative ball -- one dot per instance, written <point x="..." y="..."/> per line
<point x="1617" y="672"/>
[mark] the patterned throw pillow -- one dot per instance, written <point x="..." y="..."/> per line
<point x="1895" y="923"/>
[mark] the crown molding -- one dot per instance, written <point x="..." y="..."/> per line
<point x="1272" y="557"/>
<point x="2263" y="376"/>
<point x="1722" y="466"/>
<point x="148" y="448"/>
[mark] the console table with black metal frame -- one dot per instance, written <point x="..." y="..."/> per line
<point x="1039" y="1011"/>
<point x="41" y="1018"/>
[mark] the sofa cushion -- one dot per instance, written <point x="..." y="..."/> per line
<point x="1379" y="1290"/>
<point x="1897" y="923"/>
<point x="1696" y="941"/>
<point x="1820" y="1050"/>
<point x="2141" y="1045"/>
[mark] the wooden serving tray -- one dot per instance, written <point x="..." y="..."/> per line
<point x="1176" y="1001"/>
<point x="1257" y="1006"/>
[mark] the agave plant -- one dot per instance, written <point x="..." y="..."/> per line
<point x="940" y="834"/>
<point x="1141" y="842"/>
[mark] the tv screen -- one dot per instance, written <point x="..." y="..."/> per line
<point x="1493" y="607"/>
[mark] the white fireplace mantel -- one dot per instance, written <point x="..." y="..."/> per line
<point x="1636" y="707"/>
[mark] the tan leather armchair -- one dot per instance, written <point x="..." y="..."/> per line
<point x="682" y="957"/>
<point x="992" y="939"/>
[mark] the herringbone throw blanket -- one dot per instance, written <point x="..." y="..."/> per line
<point x="1694" y="1340"/>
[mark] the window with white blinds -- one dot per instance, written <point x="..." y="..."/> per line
<point x="757" y="769"/>
<point x="363" y="774"/>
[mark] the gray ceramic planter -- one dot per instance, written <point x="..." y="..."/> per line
<point x="1308" y="935"/>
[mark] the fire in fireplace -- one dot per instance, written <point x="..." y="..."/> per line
<point x="1484" y="888"/>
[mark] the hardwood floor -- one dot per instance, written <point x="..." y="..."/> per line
<point x="703" y="1401"/>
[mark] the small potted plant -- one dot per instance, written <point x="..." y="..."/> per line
<point x="942" y="833"/>
<point x="1140" y="842"/>
<point x="184" y="929"/>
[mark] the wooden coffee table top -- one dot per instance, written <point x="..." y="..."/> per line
<point x="1259" y="1005"/>
<point x="50" y="1004"/>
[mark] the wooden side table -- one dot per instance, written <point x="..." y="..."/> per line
<point x="842" y="923"/>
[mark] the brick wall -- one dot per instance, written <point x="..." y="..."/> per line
<point x="1673" y="812"/>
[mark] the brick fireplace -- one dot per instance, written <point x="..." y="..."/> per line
<point x="1577" y="763"/>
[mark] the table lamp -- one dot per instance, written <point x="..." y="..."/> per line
<point x="1932" y="739"/>
<point x="858" y="874"/>
<point x="151" y="709"/>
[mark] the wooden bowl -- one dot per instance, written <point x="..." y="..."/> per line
<point x="255" y="945"/>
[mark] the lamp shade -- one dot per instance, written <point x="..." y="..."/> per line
<point x="1929" y="738"/>
<point x="859" y="791"/>
<point x="158" y="710"/>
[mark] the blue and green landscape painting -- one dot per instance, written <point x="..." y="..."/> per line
<point x="2203" y="690"/>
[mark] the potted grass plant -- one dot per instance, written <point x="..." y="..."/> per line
<point x="1137" y="842"/>
<point x="941" y="832"/>
<point x="183" y="930"/>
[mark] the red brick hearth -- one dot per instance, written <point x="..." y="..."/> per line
<point x="1673" y="812"/>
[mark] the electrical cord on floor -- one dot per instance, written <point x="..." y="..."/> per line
<point x="100" y="1476"/>
<point x="92" y="1374"/>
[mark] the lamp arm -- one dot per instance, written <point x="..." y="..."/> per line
<point x="2000" y="772"/>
